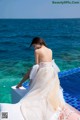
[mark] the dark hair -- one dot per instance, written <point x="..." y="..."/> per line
<point x="38" y="40"/>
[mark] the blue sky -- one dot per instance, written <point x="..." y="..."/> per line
<point x="37" y="9"/>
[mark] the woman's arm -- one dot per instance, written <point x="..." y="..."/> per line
<point x="36" y="56"/>
<point x="26" y="76"/>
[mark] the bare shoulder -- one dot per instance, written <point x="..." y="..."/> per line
<point x="50" y="49"/>
<point x="36" y="51"/>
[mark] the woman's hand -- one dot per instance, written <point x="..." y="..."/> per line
<point x="19" y="85"/>
<point x="26" y="76"/>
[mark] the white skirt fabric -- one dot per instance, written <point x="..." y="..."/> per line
<point x="45" y="97"/>
<point x="36" y="67"/>
<point x="44" y="101"/>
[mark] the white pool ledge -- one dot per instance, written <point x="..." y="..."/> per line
<point x="17" y="93"/>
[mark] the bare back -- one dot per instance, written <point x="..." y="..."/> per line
<point x="44" y="54"/>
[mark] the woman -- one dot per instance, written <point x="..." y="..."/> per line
<point x="44" y="100"/>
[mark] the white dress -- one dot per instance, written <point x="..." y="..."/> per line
<point x="44" y="100"/>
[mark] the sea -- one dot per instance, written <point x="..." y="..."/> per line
<point x="61" y="35"/>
